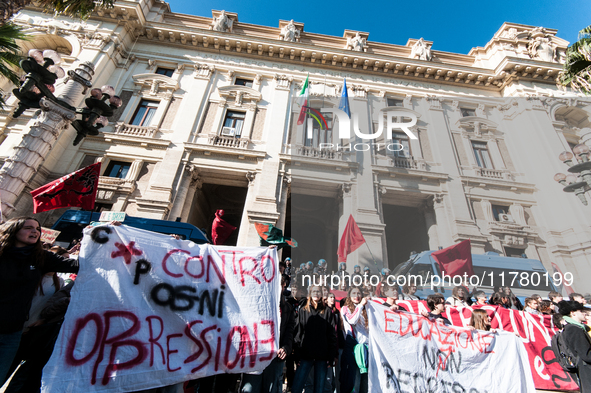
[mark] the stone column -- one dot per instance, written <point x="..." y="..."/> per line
<point x="443" y="228"/>
<point x="186" y="193"/>
<point x="431" y="223"/>
<point x="284" y="192"/>
<point x="28" y="156"/>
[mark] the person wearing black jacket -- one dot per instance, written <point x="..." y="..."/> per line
<point x="22" y="264"/>
<point x="316" y="341"/>
<point x="576" y="337"/>
<point x="270" y="380"/>
<point x="37" y="344"/>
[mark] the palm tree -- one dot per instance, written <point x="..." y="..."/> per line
<point x="9" y="53"/>
<point x="576" y="73"/>
<point x="75" y="8"/>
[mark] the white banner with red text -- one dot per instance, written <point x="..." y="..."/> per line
<point x="536" y="333"/>
<point x="148" y="310"/>
<point x="410" y="353"/>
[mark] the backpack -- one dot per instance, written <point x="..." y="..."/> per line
<point x="564" y="356"/>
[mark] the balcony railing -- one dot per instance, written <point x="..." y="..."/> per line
<point x="228" y="141"/>
<point x="404" y="162"/>
<point x="493" y="173"/>
<point x="141" y="131"/>
<point x="314" y="152"/>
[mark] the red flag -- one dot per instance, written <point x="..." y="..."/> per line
<point x="76" y="189"/>
<point x="220" y="229"/>
<point x="351" y="240"/>
<point x="455" y="260"/>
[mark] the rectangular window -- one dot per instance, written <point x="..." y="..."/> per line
<point x="482" y="156"/>
<point x="164" y="71"/>
<point x="233" y="123"/>
<point x="499" y="212"/>
<point x="243" y="82"/>
<point x="321" y="131"/>
<point x="395" y="102"/>
<point x="468" y="112"/>
<point x="117" y="169"/>
<point x="514" y="252"/>
<point x="144" y="113"/>
<point x="400" y="144"/>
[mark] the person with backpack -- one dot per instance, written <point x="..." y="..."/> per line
<point x="573" y="344"/>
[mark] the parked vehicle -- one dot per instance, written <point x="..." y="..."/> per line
<point x="72" y="222"/>
<point x="525" y="276"/>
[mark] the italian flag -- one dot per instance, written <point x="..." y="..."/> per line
<point x="303" y="99"/>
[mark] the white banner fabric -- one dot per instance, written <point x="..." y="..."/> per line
<point x="410" y="353"/>
<point x="148" y="310"/>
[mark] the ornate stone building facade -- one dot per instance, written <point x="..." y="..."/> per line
<point x="208" y="120"/>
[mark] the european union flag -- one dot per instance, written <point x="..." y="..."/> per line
<point x="344" y="103"/>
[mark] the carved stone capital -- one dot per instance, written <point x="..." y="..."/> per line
<point x="250" y="176"/>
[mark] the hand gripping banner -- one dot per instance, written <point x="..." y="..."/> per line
<point x="410" y="353"/>
<point x="148" y="310"/>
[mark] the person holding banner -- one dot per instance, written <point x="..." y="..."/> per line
<point x="390" y="292"/>
<point x="481" y="320"/>
<point x="409" y="289"/>
<point x="355" y="325"/>
<point x="458" y="297"/>
<point x="23" y="262"/>
<point x="436" y="304"/>
<point x="270" y="380"/>
<point x="316" y="342"/>
<point x="577" y="339"/>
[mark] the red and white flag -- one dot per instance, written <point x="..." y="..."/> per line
<point x="77" y="189"/>
<point x="351" y="240"/>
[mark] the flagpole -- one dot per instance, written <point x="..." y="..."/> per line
<point x="370" y="253"/>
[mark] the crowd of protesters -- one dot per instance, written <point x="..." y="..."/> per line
<point x="323" y="343"/>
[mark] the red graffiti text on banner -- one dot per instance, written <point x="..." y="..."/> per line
<point x="256" y="344"/>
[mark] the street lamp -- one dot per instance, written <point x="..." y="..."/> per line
<point x="42" y="70"/>
<point x="579" y="179"/>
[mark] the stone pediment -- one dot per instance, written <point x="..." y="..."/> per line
<point x="156" y="82"/>
<point x="239" y="94"/>
<point x="476" y="124"/>
<point x="400" y="109"/>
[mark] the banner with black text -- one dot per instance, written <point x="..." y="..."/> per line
<point x="410" y="353"/>
<point x="148" y="310"/>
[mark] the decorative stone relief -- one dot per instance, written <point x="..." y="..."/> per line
<point x="540" y="45"/>
<point x="241" y="95"/>
<point x="290" y="33"/>
<point x="346" y="188"/>
<point x="480" y="110"/>
<point x="222" y="23"/>
<point x="359" y="91"/>
<point x="421" y="50"/>
<point x="156" y="82"/>
<point x="204" y="71"/>
<point x="322" y="89"/>
<point x="511" y="33"/>
<point x="434" y="102"/>
<point x="282" y="81"/>
<point x="250" y="176"/>
<point x="356" y="43"/>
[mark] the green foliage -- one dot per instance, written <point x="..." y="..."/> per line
<point x="75" y="8"/>
<point x="9" y="53"/>
<point x="576" y="73"/>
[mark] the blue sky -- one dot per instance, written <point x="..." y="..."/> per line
<point x="454" y="26"/>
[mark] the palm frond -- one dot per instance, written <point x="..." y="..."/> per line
<point x="9" y="50"/>
<point x="576" y="72"/>
<point x="75" y="8"/>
